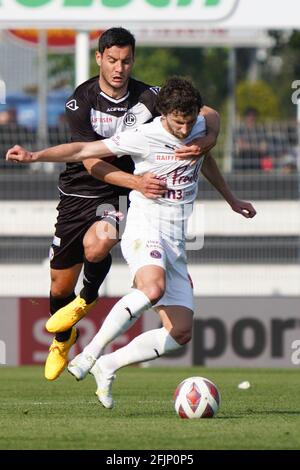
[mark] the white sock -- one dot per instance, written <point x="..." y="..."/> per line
<point x="121" y="317"/>
<point x="145" y="347"/>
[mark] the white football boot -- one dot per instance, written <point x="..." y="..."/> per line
<point x="81" y="365"/>
<point x="104" y="382"/>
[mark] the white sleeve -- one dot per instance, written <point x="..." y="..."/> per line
<point x="131" y="142"/>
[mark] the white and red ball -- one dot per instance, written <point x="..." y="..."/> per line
<point x="196" y="397"/>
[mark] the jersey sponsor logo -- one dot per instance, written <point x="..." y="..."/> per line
<point x="176" y="194"/>
<point x="129" y="119"/>
<point x="106" y="124"/>
<point x="72" y="105"/>
<point x="155" y="254"/>
<point x="183" y="174"/>
<point x="116" y="108"/>
<point x="165" y="157"/>
<point x="104" y="120"/>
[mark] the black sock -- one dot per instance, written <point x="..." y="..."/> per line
<point x="55" y="304"/>
<point x="93" y="276"/>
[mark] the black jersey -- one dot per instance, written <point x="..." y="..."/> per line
<point x="93" y="115"/>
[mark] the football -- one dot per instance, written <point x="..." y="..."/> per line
<point x="196" y="397"/>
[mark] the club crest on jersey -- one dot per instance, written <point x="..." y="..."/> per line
<point x="129" y="119"/>
<point x="155" y="254"/>
<point x="72" y="105"/>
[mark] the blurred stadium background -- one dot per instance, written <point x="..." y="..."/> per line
<point x="247" y="276"/>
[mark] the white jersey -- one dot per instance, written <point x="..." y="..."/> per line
<point x="152" y="149"/>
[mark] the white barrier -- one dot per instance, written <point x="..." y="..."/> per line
<point x="37" y="218"/>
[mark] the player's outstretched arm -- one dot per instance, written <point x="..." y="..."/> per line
<point x="212" y="173"/>
<point x="74" y="152"/>
<point x="148" y="184"/>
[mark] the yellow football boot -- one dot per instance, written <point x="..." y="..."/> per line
<point x="69" y="315"/>
<point x="58" y="356"/>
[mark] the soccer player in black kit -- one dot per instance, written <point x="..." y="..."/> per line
<point x="93" y="194"/>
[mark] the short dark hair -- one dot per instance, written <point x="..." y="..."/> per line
<point x="178" y="94"/>
<point x="116" y="37"/>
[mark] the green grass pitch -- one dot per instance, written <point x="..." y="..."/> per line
<point x="65" y="414"/>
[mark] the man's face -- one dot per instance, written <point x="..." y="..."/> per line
<point x="179" y="124"/>
<point x="116" y="64"/>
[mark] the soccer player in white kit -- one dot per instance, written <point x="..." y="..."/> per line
<point x="153" y="242"/>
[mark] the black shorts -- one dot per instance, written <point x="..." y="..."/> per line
<point x="75" y="216"/>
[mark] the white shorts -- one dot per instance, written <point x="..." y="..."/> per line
<point x="143" y="245"/>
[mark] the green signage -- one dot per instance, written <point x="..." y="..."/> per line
<point x="113" y="3"/>
<point x="33" y="3"/>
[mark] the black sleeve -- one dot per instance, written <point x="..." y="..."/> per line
<point x="78" y="116"/>
<point x="148" y="98"/>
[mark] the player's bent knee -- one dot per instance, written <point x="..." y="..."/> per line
<point x="154" y="292"/>
<point x="61" y="287"/>
<point x="60" y="291"/>
<point x="95" y="254"/>
<point x="182" y="337"/>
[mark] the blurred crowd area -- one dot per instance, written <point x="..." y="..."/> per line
<point x="258" y="146"/>
<point x="13" y="132"/>
<point x="264" y="146"/>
